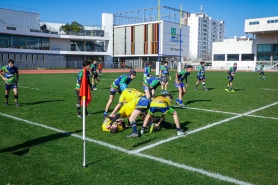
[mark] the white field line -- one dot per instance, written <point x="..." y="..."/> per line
<point x="216" y="111"/>
<point x="200" y="129"/>
<point x="182" y="166"/>
<point x="270" y="89"/>
<point x="28" y="88"/>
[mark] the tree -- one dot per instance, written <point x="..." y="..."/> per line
<point x="74" y="27"/>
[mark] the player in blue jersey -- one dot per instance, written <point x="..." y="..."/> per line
<point x="120" y="84"/>
<point x="95" y="77"/>
<point x="10" y="78"/>
<point x="147" y="71"/>
<point x="180" y="77"/>
<point x="261" y="71"/>
<point x="150" y="84"/>
<point x="201" y="76"/>
<point x="78" y="85"/>
<point x="164" y="74"/>
<point x="231" y="74"/>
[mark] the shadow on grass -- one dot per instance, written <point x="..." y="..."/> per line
<point x="194" y="101"/>
<point x="143" y="143"/>
<point x="210" y="88"/>
<point x="39" y="102"/>
<point x="24" y="148"/>
<point x="240" y="89"/>
<point x="184" y="125"/>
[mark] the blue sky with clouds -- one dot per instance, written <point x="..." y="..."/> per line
<point x="88" y="12"/>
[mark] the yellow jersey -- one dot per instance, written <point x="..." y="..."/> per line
<point x="129" y="94"/>
<point x="160" y="101"/>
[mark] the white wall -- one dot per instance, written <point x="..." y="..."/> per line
<point x="233" y="47"/>
<point x="107" y="24"/>
<point x="262" y="26"/>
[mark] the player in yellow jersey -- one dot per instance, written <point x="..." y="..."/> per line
<point x="162" y="104"/>
<point x="131" y="110"/>
<point x="126" y="96"/>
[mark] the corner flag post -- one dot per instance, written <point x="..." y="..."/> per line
<point x="179" y="66"/>
<point x="86" y="98"/>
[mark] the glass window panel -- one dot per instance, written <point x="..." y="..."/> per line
<point x="263" y="56"/>
<point x="219" y="57"/>
<point x="247" y="57"/>
<point x="275" y="47"/>
<point x="272" y="21"/>
<point x="233" y="57"/>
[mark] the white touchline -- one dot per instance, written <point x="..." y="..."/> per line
<point x="270" y="89"/>
<point x="262" y="117"/>
<point x="182" y="166"/>
<point x="200" y="129"/>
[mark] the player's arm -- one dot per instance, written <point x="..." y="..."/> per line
<point x="16" y="77"/>
<point x="177" y="77"/>
<point x="123" y="84"/>
<point x="160" y="120"/>
<point x="160" y="73"/>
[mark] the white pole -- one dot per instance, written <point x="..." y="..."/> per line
<point x="84" y="129"/>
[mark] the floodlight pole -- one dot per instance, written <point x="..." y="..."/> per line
<point x="158" y="30"/>
<point x="179" y="66"/>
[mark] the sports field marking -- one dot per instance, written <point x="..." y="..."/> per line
<point x="270" y="89"/>
<point x="201" y="128"/>
<point x="171" y="163"/>
<point x="29" y="88"/>
<point x="262" y="117"/>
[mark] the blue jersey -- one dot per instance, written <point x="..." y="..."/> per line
<point x="152" y="82"/>
<point x="79" y="78"/>
<point x="201" y="71"/>
<point x="9" y="72"/>
<point x="183" y="75"/>
<point x="147" y="71"/>
<point x="94" y="68"/>
<point x="164" y="71"/>
<point x="122" y="82"/>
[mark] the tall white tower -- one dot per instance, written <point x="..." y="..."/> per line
<point x="203" y="31"/>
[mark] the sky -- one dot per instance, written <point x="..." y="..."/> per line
<point x="89" y="12"/>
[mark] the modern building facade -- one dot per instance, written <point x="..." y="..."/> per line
<point x="203" y="32"/>
<point x="263" y="47"/>
<point x="35" y="44"/>
<point x="141" y="36"/>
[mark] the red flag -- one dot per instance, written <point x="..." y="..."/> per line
<point x="85" y="90"/>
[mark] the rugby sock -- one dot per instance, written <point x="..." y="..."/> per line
<point x="196" y="86"/>
<point x="15" y="98"/>
<point x="178" y="129"/>
<point x="231" y="87"/>
<point x="6" y="98"/>
<point x="204" y="86"/>
<point x="134" y="127"/>
<point x="143" y="128"/>
<point x="78" y="109"/>
<point x="228" y="86"/>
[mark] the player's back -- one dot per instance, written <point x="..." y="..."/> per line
<point x="129" y="94"/>
<point x="160" y="101"/>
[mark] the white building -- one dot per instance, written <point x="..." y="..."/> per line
<point x="139" y="36"/>
<point x="249" y="52"/>
<point x="35" y="44"/>
<point x="203" y="31"/>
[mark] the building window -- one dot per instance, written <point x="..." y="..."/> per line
<point x="219" y="57"/>
<point x="232" y="57"/>
<point x="264" y="48"/>
<point x="247" y="57"/>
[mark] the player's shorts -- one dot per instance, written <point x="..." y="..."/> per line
<point x="143" y="103"/>
<point x="230" y="78"/>
<point x="262" y="73"/>
<point x="199" y="77"/>
<point x="113" y="90"/>
<point x="180" y="85"/>
<point x="95" y="75"/>
<point x="164" y="110"/>
<point x="164" y="78"/>
<point x="8" y="87"/>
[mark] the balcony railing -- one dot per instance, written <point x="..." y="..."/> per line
<point x="93" y="31"/>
